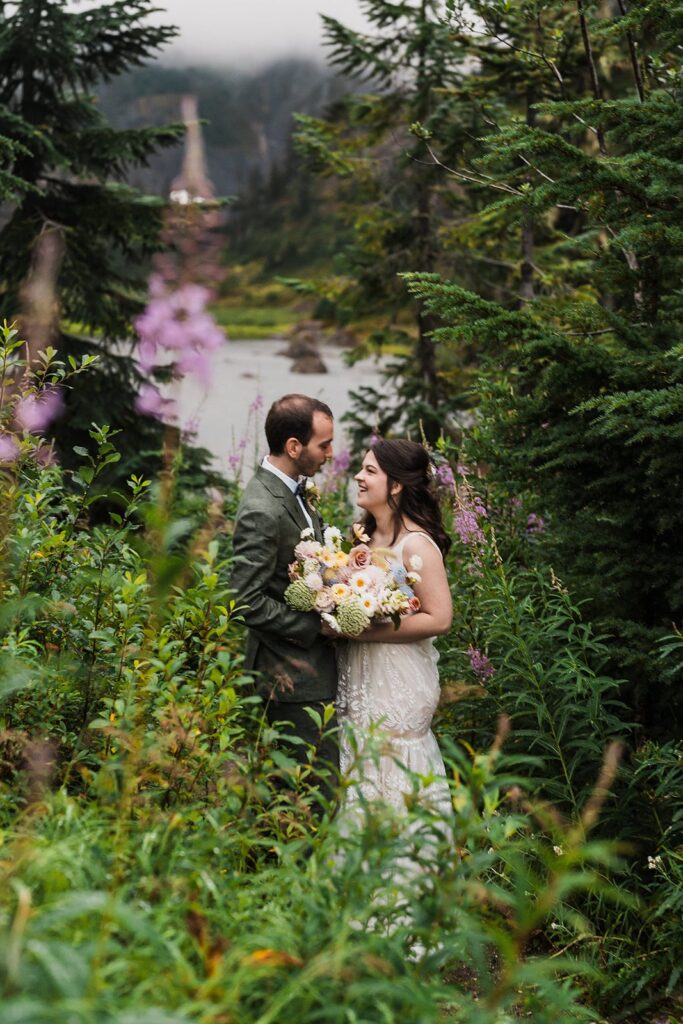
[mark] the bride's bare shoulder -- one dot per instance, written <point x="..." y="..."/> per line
<point x="419" y="542"/>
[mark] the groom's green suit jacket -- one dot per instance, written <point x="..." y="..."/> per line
<point x="295" y="663"/>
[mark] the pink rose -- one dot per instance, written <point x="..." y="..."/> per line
<point x="360" y="557"/>
<point x="414" y="603"/>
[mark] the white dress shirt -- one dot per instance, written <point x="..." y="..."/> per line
<point x="292" y="484"/>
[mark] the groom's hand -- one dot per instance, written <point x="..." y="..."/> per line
<point x="326" y="630"/>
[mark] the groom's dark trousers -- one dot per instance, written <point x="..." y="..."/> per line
<point x="295" y="665"/>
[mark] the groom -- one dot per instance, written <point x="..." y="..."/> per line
<point x="294" y="660"/>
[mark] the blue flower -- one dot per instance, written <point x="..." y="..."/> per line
<point x="399" y="573"/>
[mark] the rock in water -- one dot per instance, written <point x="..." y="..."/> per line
<point x="299" y="347"/>
<point x="343" y="338"/>
<point x="311" y="363"/>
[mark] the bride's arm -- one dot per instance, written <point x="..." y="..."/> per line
<point x="436" y="607"/>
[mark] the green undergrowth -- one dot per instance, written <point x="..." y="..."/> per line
<point x="159" y="856"/>
<point x="161" y="859"/>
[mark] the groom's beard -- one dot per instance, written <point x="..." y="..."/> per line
<point x="306" y="465"/>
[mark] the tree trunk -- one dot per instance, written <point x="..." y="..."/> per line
<point x="527" y="290"/>
<point x="426" y="349"/>
<point x="593" y="69"/>
<point x="633" y="52"/>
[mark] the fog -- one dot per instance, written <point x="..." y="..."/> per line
<point x="250" y="32"/>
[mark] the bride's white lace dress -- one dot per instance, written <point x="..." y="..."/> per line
<point x="387" y="696"/>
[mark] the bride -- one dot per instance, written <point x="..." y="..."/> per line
<point x="388" y="680"/>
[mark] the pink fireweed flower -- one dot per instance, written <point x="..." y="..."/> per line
<point x="9" y="449"/>
<point x="335" y="473"/>
<point x="177" y="322"/>
<point x="150" y="402"/>
<point x="341" y="462"/>
<point x="444" y="476"/>
<point x="35" y="412"/>
<point x="191" y="426"/>
<point x="469" y="513"/>
<point x="535" y="523"/>
<point x="481" y="666"/>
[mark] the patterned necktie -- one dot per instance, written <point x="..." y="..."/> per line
<point x="300" y="491"/>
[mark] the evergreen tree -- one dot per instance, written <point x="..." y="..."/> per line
<point x="395" y="201"/>
<point x="582" y="388"/>
<point x="68" y="164"/>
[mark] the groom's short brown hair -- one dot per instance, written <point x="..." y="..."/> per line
<point x="292" y="416"/>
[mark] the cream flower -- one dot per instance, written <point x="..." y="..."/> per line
<point x="307" y="533"/>
<point x="324" y="601"/>
<point x="328" y="558"/>
<point x="341" y="560"/>
<point x="306" y="549"/>
<point x="415" y="562"/>
<point x="313" y="581"/>
<point x="359" y="582"/>
<point x="340" y="591"/>
<point x="359" y="533"/>
<point x="332" y="537"/>
<point x="369" y="604"/>
<point x="393" y="601"/>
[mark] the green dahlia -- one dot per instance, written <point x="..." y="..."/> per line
<point x="299" y="596"/>
<point x="351" y="618"/>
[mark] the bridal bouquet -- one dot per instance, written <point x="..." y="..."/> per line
<point x="350" y="589"/>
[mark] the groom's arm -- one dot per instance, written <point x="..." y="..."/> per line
<point x="255" y="544"/>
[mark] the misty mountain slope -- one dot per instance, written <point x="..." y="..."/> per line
<point x="248" y="114"/>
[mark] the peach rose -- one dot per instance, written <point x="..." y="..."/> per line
<point x="360" y="557"/>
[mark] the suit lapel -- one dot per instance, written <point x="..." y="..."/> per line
<point x="317" y="524"/>
<point x="279" y="489"/>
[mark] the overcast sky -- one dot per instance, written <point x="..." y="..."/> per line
<point x="250" y="31"/>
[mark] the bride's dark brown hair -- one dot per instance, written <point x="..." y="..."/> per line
<point x="407" y="463"/>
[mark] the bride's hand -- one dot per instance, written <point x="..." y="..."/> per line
<point x="379" y="632"/>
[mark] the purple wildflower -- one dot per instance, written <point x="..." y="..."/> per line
<point x="469" y="512"/>
<point x="150" y="402"/>
<point x="9" y="448"/>
<point x="444" y="476"/>
<point x="481" y="666"/>
<point x="256" y="405"/>
<point x="35" y="412"/>
<point x="535" y="523"/>
<point x="335" y="472"/>
<point x="341" y="462"/>
<point x="178" y="322"/>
